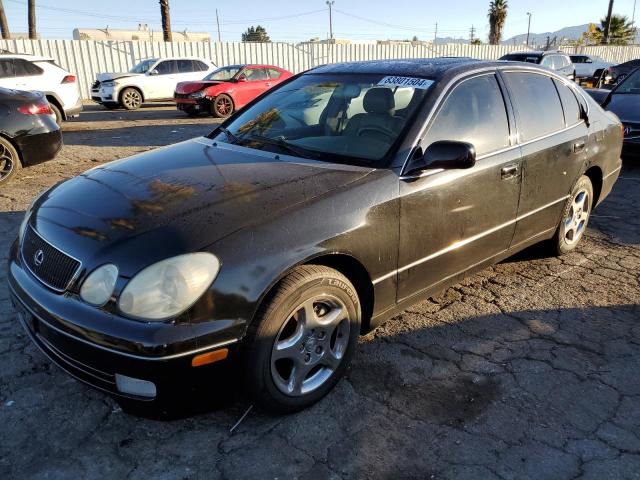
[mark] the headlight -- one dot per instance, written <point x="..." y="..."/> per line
<point x="168" y="288"/>
<point x="99" y="285"/>
<point x="199" y="94"/>
<point x="27" y="215"/>
<point x="108" y="83"/>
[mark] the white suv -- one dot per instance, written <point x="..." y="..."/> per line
<point x="154" y="79"/>
<point x="33" y="73"/>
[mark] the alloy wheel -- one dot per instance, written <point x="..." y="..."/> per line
<point x="223" y="106"/>
<point x="310" y="345"/>
<point x="131" y="99"/>
<point x="577" y="217"/>
<point x="7" y="162"/>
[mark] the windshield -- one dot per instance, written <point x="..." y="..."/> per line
<point x="345" y="118"/>
<point x="224" y="73"/>
<point x="521" y="57"/>
<point x="631" y="84"/>
<point x="143" y="66"/>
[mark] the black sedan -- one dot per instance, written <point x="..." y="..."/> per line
<point x="29" y="132"/>
<point x="320" y="210"/>
<point x="619" y="72"/>
<point x="624" y="101"/>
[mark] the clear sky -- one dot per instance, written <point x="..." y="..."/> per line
<point x="299" y="20"/>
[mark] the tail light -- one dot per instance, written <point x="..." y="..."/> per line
<point x="69" y="79"/>
<point x="36" y="109"/>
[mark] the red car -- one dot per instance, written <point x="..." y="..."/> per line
<point x="227" y="89"/>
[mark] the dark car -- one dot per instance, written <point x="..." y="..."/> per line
<point x="323" y="208"/>
<point x="554" y="60"/>
<point x="624" y="101"/>
<point x="227" y="89"/>
<point x="29" y="133"/>
<point x="620" y="72"/>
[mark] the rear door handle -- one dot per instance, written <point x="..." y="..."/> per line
<point x="509" y="171"/>
<point x="578" y="146"/>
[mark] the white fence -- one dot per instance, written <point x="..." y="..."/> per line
<point x="86" y="58"/>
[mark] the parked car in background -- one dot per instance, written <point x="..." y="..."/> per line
<point x="619" y="72"/>
<point x="587" y="65"/>
<point x="274" y="241"/>
<point x="554" y="60"/>
<point x="624" y="101"/>
<point x="29" y="133"/>
<point x="33" y="73"/>
<point x="151" y="80"/>
<point x="227" y="89"/>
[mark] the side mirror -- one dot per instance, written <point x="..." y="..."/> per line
<point x="444" y="154"/>
<point x="153" y="72"/>
<point x="241" y="78"/>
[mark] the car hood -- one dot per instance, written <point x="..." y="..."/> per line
<point x="626" y="106"/>
<point x="103" y="77"/>
<point x="177" y="199"/>
<point x="190" y="87"/>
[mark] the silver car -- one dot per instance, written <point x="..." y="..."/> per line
<point x="586" y="65"/>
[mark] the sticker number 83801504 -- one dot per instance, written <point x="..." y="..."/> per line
<point x="413" y="82"/>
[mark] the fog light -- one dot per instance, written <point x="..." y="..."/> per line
<point x="135" y="386"/>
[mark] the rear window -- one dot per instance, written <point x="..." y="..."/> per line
<point x="24" y="68"/>
<point x="537" y="104"/>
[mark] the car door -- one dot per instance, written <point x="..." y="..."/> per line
<point x="163" y="79"/>
<point x="452" y="220"/>
<point x="553" y="148"/>
<point x="252" y="82"/>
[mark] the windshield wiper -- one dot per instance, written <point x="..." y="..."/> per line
<point x="282" y="143"/>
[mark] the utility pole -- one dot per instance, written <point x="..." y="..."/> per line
<point x="218" y="23"/>
<point x="330" y="3"/>
<point x="607" y="27"/>
<point x="633" y="15"/>
<point x="31" y="13"/>
<point x="435" y="35"/>
<point x="528" y="28"/>
<point x="4" y="26"/>
<point x="472" y="34"/>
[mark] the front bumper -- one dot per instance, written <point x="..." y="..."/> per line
<point x="40" y="147"/>
<point x="193" y="104"/>
<point x="152" y="352"/>
<point x="104" y="95"/>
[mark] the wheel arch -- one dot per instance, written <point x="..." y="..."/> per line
<point x="347" y="265"/>
<point x="135" y="87"/>
<point x="594" y="173"/>
<point x="53" y="99"/>
<point x="12" y="141"/>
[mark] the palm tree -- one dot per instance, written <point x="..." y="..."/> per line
<point x="31" y="13"/>
<point x="4" y="26"/>
<point x="497" y="17"/>
<point x="166" y="20"/>
<point x="621" y="30"/>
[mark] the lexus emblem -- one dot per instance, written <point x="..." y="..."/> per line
<point x="627" y="130"/>
<point x="38" y="258"/>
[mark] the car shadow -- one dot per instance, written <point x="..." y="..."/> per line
<point x="137" y="135"/>
<point x="154" y="111"/>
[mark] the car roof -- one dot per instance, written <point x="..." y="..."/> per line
<point x="31" y="58"/>
<point x="420" y="67"/>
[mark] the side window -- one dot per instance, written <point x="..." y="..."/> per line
<point x="200" y="66"/>
<point x="274" y="74"/>
<point x="578" y="59"/>
<point x="24" y="68"/>
<point x="255" y="74"/>
<point x="547" y="61"/>
<point x="474" y="112"/>
<point x="167" y="67"/>
<point x="6" y="68"/>
<point x="537" y="104"/>
<point x="570" y="103"/>
<point x="185" y="66"/>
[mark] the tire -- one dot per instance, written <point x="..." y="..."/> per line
<point x="320" y="349"/>
<point x="575" y="217"/>
<point x="57" y="113"/>
<point x="9" y="160"/>
<point x="222" y="106"/>
<point x="131" y="98"/>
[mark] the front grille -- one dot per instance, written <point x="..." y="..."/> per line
<point x="52" y="267"/>
<point x="181" y="95"/>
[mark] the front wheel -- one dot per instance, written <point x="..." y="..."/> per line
<point x="575" y="217"/>
<point x="222" y="106"/>
<point x="131" y="99"/>
<point x="302" y="340"/>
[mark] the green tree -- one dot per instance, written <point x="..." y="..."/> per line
<point x="621" y="32"/>
<point x="476" y="41"/>
<point x="257" y="34"/>
<point x="497" y="16"/>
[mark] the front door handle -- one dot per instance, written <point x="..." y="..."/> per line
<point x="509" y="171"/>
<point x="579" y="146"/>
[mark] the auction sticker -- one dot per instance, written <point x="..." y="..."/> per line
<point x="413" y="82"/>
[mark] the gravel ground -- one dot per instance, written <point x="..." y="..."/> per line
<point x="529" y="369"/>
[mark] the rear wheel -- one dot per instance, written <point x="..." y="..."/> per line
<point x="56" y="112"/>
<point x="222" y="106"/>
<point x="302" y="340"/>
<point x="575" y="217"/>
<point x="9" y="160"/>
<point x="131" y="98"/>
